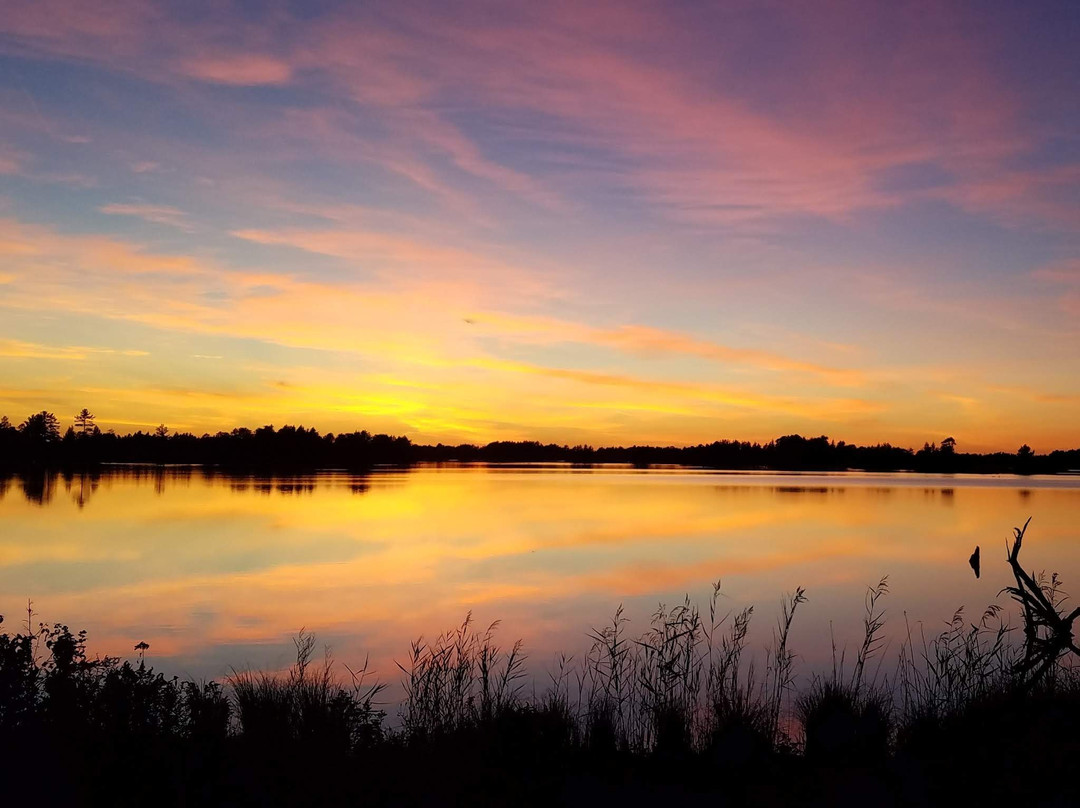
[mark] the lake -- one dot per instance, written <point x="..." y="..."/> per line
<point x="218" y="572"/>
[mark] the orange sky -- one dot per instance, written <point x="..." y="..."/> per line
<point x="629" y="223"/>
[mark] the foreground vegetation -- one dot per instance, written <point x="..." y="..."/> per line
<point x="38" y="442"/>
<point x="680" y="713"/>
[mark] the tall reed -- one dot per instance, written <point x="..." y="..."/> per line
<point x="308" y="703"/>
<point x="459" y="679"/>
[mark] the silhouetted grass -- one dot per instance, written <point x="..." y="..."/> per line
<point x="308" y="704"/>
<point x="851" y="719"/>
<point x="681" y="708"/>
<point x="458" y="680"/>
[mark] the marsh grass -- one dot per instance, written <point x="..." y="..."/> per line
<point x="458" y="680"/>
<point x="686" y="699"/>
<point x="965" y="662"/>
<point x="682" y="686"/>
<point x="851" y="718"/>
<point x="670" y="678"/>
<point x="309" y="704"/>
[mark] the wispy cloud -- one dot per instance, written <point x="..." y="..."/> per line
<point x="654" y="392"/>
<point x="18" y="349"/>
<point x="402" y="260"/>
<point x="702" y="150"/>
<point x="8" y="163"/>
<point x="1037" y="395"/>
<point x="242" y="69"/>
<point x="158" y="214"/>
<point x="647" y="341"/>
<point x="625" y="216"/>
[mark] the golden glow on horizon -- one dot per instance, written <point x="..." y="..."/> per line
<point x="529" y="223"/>
<point x="434" y="369"/>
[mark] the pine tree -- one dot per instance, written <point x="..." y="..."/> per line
<point x="84" y="422"/>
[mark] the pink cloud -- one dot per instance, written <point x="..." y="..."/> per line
<point x="241" y="69"/>
<point x="9" y="162"/>
<point x="701" y="150"/>
<point x="1066" y="273"/>
<point x="636" y="84"/>
<point x="1065" y="276"/>
<point x="98" y="30"/>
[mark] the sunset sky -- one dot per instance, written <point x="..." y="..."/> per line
<point x="580" y="222"/>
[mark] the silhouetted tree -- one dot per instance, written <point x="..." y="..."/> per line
<point x="84" y="422"/>
<point x="1025" y="460"/>
<point x="9" y="440"/>
<point x="35" y="444"/>
<point x="41" y="427"/>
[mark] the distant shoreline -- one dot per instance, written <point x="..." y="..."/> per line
<point x="37" y="443"/>
<point x="110" y="466"/>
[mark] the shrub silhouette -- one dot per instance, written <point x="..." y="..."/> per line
<point x="678" y="707"/>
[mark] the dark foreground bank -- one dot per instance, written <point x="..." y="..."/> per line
<point x="980" y="714"/>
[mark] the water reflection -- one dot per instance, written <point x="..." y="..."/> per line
<point x="38" y="487"/>
<point x="216" y="570"/>
<point x="81" y="487"/>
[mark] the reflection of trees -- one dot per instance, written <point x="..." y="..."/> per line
<point x="38" y="487"/>
<point x="159" y="476"/>
<point x="285" y="483"/>
<point x="82" y="487"/>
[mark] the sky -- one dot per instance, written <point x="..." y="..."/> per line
<point x="603" y="223"/>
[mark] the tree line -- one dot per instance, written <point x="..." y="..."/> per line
<point x="39" y="442"/>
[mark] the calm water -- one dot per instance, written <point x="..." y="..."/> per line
<point x="218" y="572"/>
